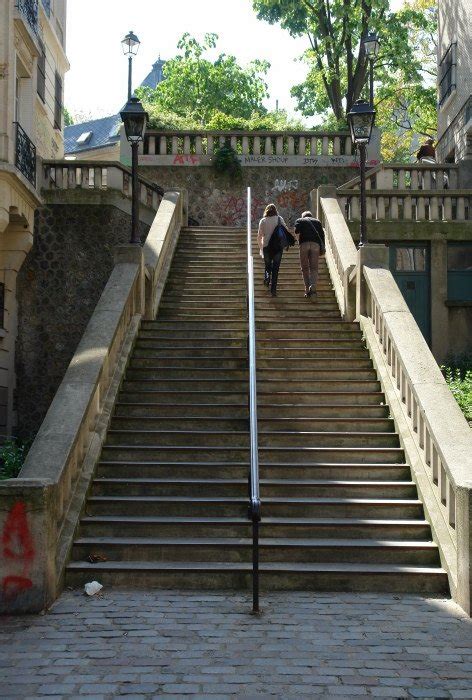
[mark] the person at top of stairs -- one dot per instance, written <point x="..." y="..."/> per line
<point x="311" y="240"/>
<point x="267" y="226"/>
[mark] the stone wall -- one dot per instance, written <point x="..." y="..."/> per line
<point x="216" y="200"/>
<point x="59" y="286"/>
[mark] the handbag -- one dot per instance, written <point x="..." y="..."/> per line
<point x="280" y="240"/>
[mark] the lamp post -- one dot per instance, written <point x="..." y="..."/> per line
<point x="371" y="48"/>
<point x="134" y="119"/>
<point x="130" y="46"/>
<point x="361" y="121"/>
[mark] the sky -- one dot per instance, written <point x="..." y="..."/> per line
<point x="96" y="84"/>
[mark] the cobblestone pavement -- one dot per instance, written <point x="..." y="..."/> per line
<point x="205" y="645"/>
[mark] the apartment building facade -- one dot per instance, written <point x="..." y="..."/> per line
<point x="455" y="80"/>
<point x="33" y="63"/>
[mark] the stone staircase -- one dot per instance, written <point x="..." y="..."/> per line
<point x="168" y="503"/>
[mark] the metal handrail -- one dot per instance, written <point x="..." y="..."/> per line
<point x="254" y="511"/>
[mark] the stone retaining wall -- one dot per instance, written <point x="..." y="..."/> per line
<point x="59" y="286"/>
<point x="215" y="200"/>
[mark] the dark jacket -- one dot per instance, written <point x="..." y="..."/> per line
<point x="273" y="246"/>
<point x="310" y="229"/>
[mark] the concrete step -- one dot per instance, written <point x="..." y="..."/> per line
<point x="285" y="507"/>
<point x="154" y="371"/>
<point x="273" y="576"/>
<point x="150" y="549"/>
<point x="270" y="488"/>
<point x="272" y="386"/>
<point x="234" y="453"/>
<point x="316" y="528"/>
<point x="191" y="353"/>
<point x="165" y="397"/>
<point x="231" y="437"/>
<point x="112" y="468"/>
<point x="195" y="410"/>
<point x="230" y="422"/>
<point x="190" y="363"/>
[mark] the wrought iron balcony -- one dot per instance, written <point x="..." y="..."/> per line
<point x="29" y="10"/>
<point x="25" y="155"/>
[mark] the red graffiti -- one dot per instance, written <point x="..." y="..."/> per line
<point x="12" y="586"/>
<point x="186" y="160"/>
<point x="292" y="200"/>
<point x="234" y="210"/>
<point x="17" y="547"/>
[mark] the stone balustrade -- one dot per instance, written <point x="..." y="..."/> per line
<point x="45" y="501"/>
<point x="409" y="176"/>
<point x="409" y="205"/>
<point x="97" y="175"/>
<point x="269" y="143"/>
<point x="433" y="431"/>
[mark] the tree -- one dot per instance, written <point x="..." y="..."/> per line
<point x="337" y="73"/>
<point x="68" y="119"/>
<point x="195" y="87"/>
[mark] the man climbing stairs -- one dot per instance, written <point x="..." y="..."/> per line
<point x="168" y="503"/>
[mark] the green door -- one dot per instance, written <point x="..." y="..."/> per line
<point x="410" y="266"/>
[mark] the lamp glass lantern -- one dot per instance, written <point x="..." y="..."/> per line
<point x="371" y="45"/>
<point x="134" y="119"/>
<point x="130" y="44"/>
<point x="361" y="120"/>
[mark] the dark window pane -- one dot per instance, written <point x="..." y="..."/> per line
<point x="58" y="102"/>
<point x="42" y="72"/>
<point x="459" y="257"/>
<point x="410" y="259"/>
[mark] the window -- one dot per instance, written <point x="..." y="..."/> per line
<point x="42" y="72"/>
<point x="459" y="272"/>
<point x="447" y="74"/>
<point x="58" y="102"/>
<point x="84" y="138"/>
<point x="410" y="259"/>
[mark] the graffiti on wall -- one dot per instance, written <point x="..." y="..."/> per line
<point x="234" y="210"/>
<point x="283" y="185"/>
<point x="17" y="552"/>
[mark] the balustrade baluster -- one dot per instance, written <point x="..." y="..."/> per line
<point x="151" y="145"/>
<point x="279" y="145"/>
<point x="427" y="180"/>
<point x="163" y="145"/>
<point x="91" y="177"/>
<point x="460" y="209"/>
<point x="451" y="505"/>
<point x="257" y="145"/>
<point x="234" y="143"/>
<point x="198" y="145"/>
<point x="407" y="208"/>
<point x="313" y="146"/>
<point x="355" y="208"/>
<point x="245" y="145"/>
<point x="421" y="214"/>
<point x="268" y="146"/>
<point x="442" y="484"/>
<point x="175" y="145"/>
<point x="325" y="146"/>
<point x="434" y="208"/>
<point x="414" y="179"/>
<point x="210" y="145"/>
<point x="348" y="146"/>
<point x="448" y="208"/>
<point x="337" y="146"/>
<point x="401" y="179"/>
<point x="394" y="208"/>
<point x="291" y="146"/>
<point x="302" y="146"/>
<point x="381" y="208"/>
<point x="453" y="179"/>
<point x="186" y="145"/>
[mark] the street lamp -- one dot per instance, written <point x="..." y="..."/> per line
<point x="134" y="119"/>
<point x="361" y="120"/>
<point x="371" y="48"/>
<point x="130" y="46"/>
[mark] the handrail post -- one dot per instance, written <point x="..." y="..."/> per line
<point x="254" y="510"/>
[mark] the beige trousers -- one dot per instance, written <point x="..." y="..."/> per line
<point x="309" y="257"/>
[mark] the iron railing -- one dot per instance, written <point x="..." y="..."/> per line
<point x="25" y="155"/>
<point x="254" y="510"/>
<point x="29" y="10"/>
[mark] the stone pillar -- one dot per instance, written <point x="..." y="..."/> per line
<point x="439" y="311"/>
<point x="370" y="255"/>
<point x="15" y="243"/>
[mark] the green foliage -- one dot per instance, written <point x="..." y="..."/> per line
<point x="405" y="70"/>
<point x="458" y="374"/>
<point x="196" y="87"/>
<point x="225" y="160"/>
<point x="68" y="118"/>
<point x="12" y="456"/>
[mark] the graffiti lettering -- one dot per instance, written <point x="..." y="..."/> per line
<point x="17" y="548"/>
<point x="186" y="160"/>
<point x="264" y="160"/>
<point x="234" y="210"/>
<point x="285" y="185"/>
